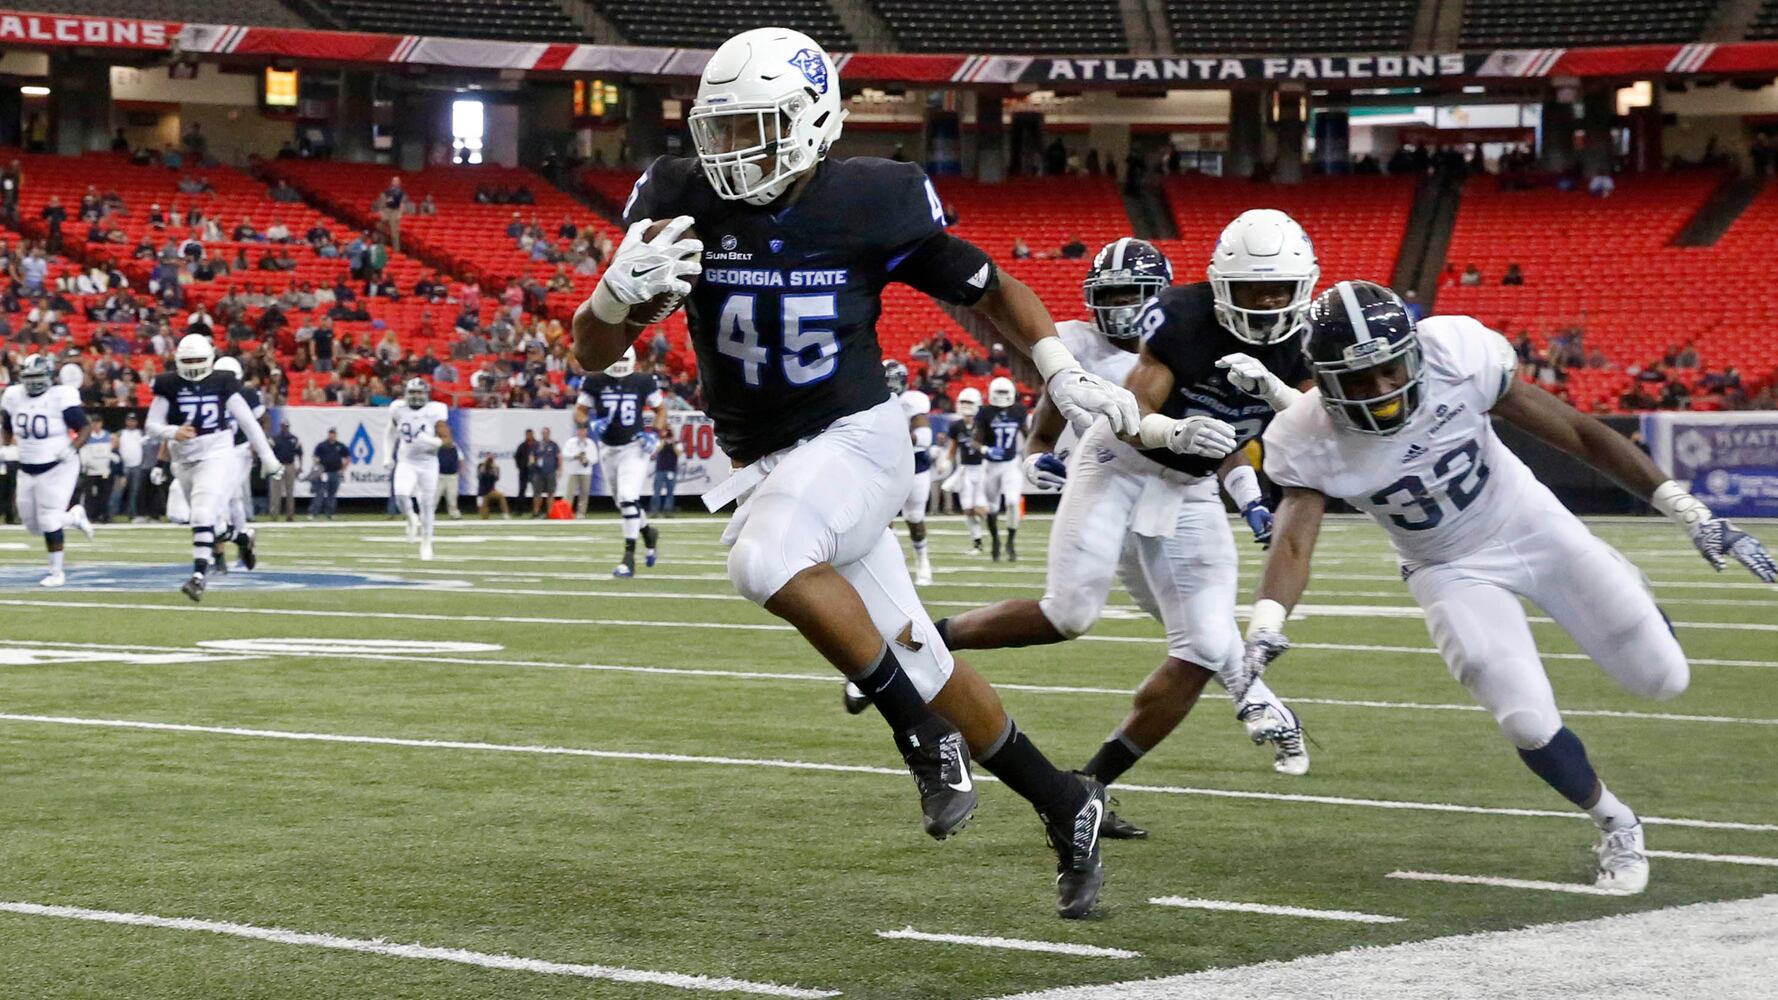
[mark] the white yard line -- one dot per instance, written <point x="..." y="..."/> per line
<point x="799" y="765"/>
<point x="460" y="956"/>
<point x="1010" y="944"/>
<point x="1350" y="916"/>
<point x="1726" y="950"/>
<point x="1576" y="888"/>
<point x="1752" y="860"/>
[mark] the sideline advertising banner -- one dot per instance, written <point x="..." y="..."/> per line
<point x="1728" y="460"/>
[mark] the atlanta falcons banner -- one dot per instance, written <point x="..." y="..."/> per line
<point x="21" y="28"/>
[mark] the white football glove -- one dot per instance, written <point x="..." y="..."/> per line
<point x="1206" y="437"/>
<point x="1082" y="397"/>
<point x="1254" y="379"/>
<point x="270" y="467"/>
<point x="642" y="269"/>
<point x="389" y="464"/>
<point x="1263" y="646"/>
<point x="1718" y="541"/>
<point x="157" y="476"/>
<point x="1045" y="471"/>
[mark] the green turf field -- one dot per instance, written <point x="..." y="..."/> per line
<point x="530" y="797"/>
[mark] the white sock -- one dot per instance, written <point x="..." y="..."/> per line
<point x="1258" y="691"/>
<point x="1609" y="812"/>
<point x="55" y="561"/>
<point x="920" y="548"/>
<point x="975" y="527"/>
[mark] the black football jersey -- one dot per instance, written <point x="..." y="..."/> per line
<point x="969" y="452"/>
<point x="1180" y="330"/>
<point x="202" y="404"/>
<point x="784" y="317"/>
<point x="625" y="404"/>
<point x="998" y="429"/>
<point x="255" y="404"/>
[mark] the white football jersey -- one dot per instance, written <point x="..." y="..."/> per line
<point x="1096" y="352"/>
<point x="1442" y="486"/>
<point x="37" y="423"/>
<point x="411" y="425"/>
<point x="915" y="403"/>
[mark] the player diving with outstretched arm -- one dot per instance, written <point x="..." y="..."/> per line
<point x="783" y="321"/>
<point x="45" y="422"/>
<point x="192" y="409"/>
<point x="627" y="413"/>
<point x="1398" y="426"/>
<point x="418" y="427"/>
<point x="1154" y="517"/>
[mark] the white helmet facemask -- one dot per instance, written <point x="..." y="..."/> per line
<point x="194" y="357"/>
<point x="768" y="108"/>
<point x="1263" y="246"/>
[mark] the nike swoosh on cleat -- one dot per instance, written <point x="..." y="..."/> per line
<point x="963" y="786"/>
<point x="1098" y="814"/>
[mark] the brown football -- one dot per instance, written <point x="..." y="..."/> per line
<point x="665" y="304"/>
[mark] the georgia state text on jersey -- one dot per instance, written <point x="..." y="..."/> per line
<point x="625" y="403"/>
<point x="42" y="425"/>
<point x="416" y="429"/>
<point x="998" y="428"/>
<point x="1179" y="328"/>
<point x="784" y="317"/>
<point x="915" y="403"/>
<point x="1442" y="485"/>
<point x="203" y="405"/>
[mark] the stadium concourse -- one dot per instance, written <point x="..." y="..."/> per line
<point x="449" y="685"/>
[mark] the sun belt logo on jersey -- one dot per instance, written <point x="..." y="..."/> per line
<point x="813" y="66"/>
<point x="362" y="448"/>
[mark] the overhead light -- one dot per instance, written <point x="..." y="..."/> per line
<point x="34" y="91"/>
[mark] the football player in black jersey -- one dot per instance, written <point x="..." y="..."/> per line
<point x="628" y="417"/>
<point x="1000" y="431"/>
<point x="796" y="249"/>
<point x="191" y="411"/>
<point x="1151" y="513"/>
<point x="966" y="478"/>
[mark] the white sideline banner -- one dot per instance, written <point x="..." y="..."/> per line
<point x="364" y="429"/>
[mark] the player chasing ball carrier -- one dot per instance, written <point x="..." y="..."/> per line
<point x="45" y="420"/>
<point x="628" y="416"/>
<point x="418" y="427"/>
<point x="1398" y="427"/>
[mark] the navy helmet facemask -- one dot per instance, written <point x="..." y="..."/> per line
<point x="1365" y="352"/>
<point x="1125" y="274"/>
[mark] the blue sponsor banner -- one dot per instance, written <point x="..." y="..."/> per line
<point x="1728" y="460"/>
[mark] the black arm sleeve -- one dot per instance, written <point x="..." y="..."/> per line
<point x="946" y="268"/>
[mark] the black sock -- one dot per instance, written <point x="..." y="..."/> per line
<point x="1563" y="763"/>
<point x="629" y="550"/>
<point x="649" y="535"/>
<point x="200" y="566"/>
<point x="1009" y="533"/>
<point x="1015" y="760"/>
<point x="891" y="689"/>
<point x="1116" y="755"/>
<point x="994" y="530"/>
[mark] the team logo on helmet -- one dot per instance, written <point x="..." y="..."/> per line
<point x="813" y="66"/>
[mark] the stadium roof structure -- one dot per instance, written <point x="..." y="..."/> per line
<point x="249" y="43"/>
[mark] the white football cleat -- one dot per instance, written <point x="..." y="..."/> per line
<point x="77" y="517"/>
<point x="426" y="551"/>
<point x="1623" y="862"/>
<point x="52" y="580"/>
<point x="1265" y="723"/>
<point x="923" y="572"/>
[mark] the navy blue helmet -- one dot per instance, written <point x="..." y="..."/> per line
<point x="896" y="374"/>
<point x="1126" y="273"/>
<point x="1365" y="352"/>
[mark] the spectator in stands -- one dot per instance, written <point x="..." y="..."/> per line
<point x="1602" y="185"/>
<point x="278" y="232"/>
<point x="389" y="348"/>
<point x="567" y="230"/>
<point x="1674" y="396"/>
<point x="357" y="253"/>
<point x="950" y="214"/>
<point x="1687" y="356"/>
<point x="546" y="462"/>
<point x="522" y="196"/>
<point x="193" y="184"/>
<point x="427" y="206"/>
<point x="33" y="269"/>
<point x="194" y="140"/>
<point x="1472" y="277"/>
<point x="561" y="280"/>
<point x="53" y="215"/>
<point x="470" y="346"/>
<point x="1020" y="249"/>
<point x="521" y="457"/>
<point x="394" y="202"/>
<point x="330" y="460"/>
<point x="1074" y="249"/>
<point x="321" y="341"/>
<point x="282" y="191"/>
<point x="245" y="232"/>
<point x="11" y="179"/>
<point x="1513" y="275"/>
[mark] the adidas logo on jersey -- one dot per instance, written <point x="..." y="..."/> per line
<point x="980" y="278"/>
<point x="1414" y="451"/>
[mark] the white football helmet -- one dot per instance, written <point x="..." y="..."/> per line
<point x="624" y="365"/>
<point x="768" y="109"/>
<point x="195" y="357"/>
<point x="35" y="374"/>
<point x="72" y="375"/>
<point x="1002" y="392"/>
<point x="1263" y="245"/>
<point x="416" y="392"/>
<point x="969" y="403"/>
<point x="228" y="364"/>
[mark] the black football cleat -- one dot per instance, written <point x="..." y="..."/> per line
<point x="939" y="761"/>
<point x="1115" y="827"/>
<point x="1079" y="871"/>
<point x="194" y="587"/>
<point x="856" y="701"/>
<point x="249" y="558"/>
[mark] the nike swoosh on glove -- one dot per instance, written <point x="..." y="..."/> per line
<point x="1206" y="437"/>
<point x="1045" y="471"/>
<point x="642" y="269"/>
<point x="1083" y="397"/>
<point x="1718" y="541"/>
<point x="1259" y="518"/>
<point x="1263" y="646"/>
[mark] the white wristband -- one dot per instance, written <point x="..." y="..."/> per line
<point x="1281" y="400"/>
<point x="1243" y="486"/>
<point x="1677" y="503"/>
<point x="1155" y="429"/>
<point x="1267" y="615"/>
<point x="606" y="307"/>
<point x="1050" y="356"/>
